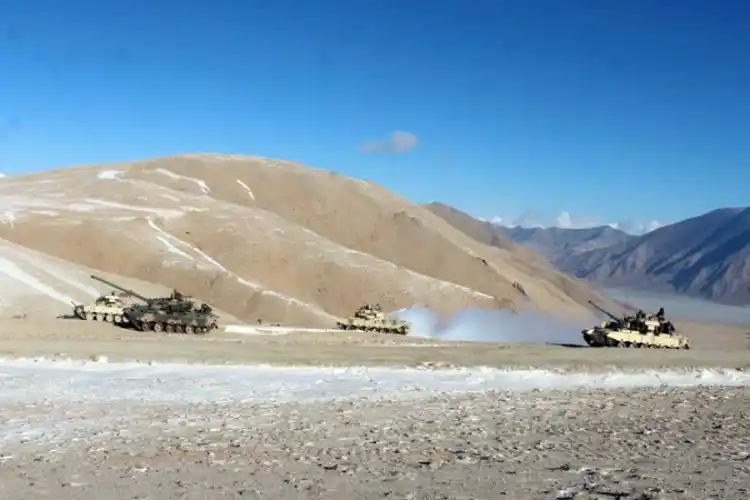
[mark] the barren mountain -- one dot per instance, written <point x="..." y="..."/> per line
<point x="482" y="231"/>
<point x="556" y="243"/>
<point x="268" y="239"/>
<point x="37" y="285"/>
<point x="706" y="256"/>
<point x="528" y="261"/>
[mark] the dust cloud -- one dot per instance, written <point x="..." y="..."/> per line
<point x="498" y="325"/>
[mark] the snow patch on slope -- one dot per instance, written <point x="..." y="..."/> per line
<point x="201" y="184"/>
<point x="175" y="244"/>
<point x="9" y="217"/>
<point x="51" y="270"/>
<point x="173" y="249"/>
<point x="163" y="212"/>
<point x="329" y="250"/>
<point x="109" y="174"/>
<point x="249" y="192"/>
<point x="14" y="206"/>
<point x="15" y="273"/>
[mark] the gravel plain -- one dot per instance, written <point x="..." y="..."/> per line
<point x="586" y="443"/>
<point x="687" y="443"/>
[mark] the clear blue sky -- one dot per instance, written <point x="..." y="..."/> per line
<point x="610" y="109"/>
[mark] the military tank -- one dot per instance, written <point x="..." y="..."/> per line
<point x="370" y="318"/>
<point x="639" y="331"/>
<point x="177" y="313"/>
<point x="109" y="308"/>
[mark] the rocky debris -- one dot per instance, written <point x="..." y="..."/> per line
<point x="591" y="444"/>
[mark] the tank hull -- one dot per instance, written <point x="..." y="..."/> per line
<point x="605" y="337"/>
<point x="100" y="312"/>
<point x="190" y="322"/>
<point x="370" y="318"/>
<point x="388" y="327"/>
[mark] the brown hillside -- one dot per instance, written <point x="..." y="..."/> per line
<point x="270" y="239"/>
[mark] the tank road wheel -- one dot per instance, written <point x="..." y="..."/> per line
<point x="169" y="328"/>
<point x="118" y="318"/>
<point x="158" y="327"/>
<point x="100" y="317"/>
<point x="89" y="317"/>
<point x="144" y="326"/>
<point x="189" y="329"/>
<point x="179" y="329"/>
<point x="108" y="318"/>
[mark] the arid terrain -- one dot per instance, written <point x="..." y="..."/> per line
<point x="713" y="346"/>
<point x="169" y="432"/>
<point x="135" y="419"/>
<point x="89" y="410"/>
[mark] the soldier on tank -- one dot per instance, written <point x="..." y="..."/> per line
<point x="660" y="314"/>
<point x="640" y="321"/>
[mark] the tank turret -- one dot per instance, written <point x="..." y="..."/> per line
<point x="108" y="308"/>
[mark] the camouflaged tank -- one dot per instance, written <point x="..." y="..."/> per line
<point x="370" y="318"/>
<point x="109" y="308"/>
<point x="639" y="331"/>
<point x="177" y="313"/>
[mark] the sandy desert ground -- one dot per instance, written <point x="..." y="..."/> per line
<point x="585" y="423"/>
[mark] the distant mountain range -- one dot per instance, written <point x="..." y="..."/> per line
<point x="706" y="256"/>
<point x="563" y="220"/>
<point x="555" y="243"/>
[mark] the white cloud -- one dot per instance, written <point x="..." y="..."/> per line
<point x="563" y="220"/>
<point x="498" y="221"/>
<point x="399" y="142"/>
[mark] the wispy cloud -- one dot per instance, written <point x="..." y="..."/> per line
<point x="565" y="220"/>
<point x="399" y="142"/>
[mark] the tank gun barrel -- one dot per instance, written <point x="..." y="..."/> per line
<point x="609" y="314"/>
<point x="129" y="292"/>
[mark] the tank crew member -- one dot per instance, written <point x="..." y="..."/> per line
<point x="660" y="314"/>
